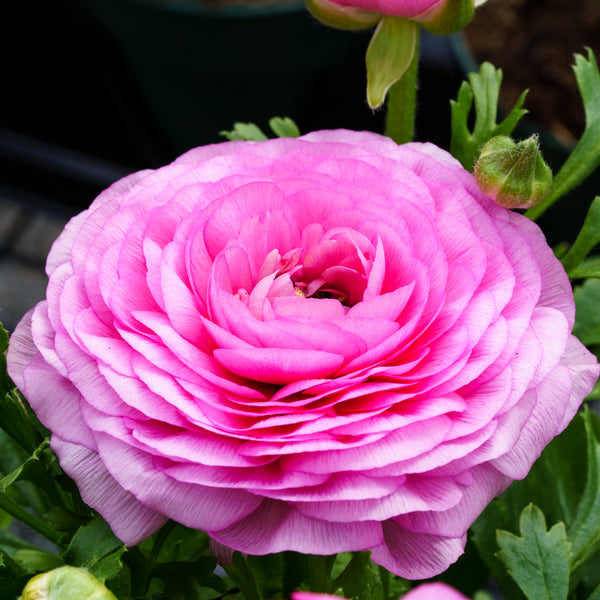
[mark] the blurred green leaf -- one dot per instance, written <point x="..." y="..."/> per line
<point x="483" y="89"/>
<point x="244" y="132"/>
<point x="539" y="559"/>
<point x="284" y="127"/>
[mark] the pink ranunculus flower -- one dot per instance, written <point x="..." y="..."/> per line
<point x="425" y="591"/>
<point x="323" y="344"/>
<point x="424" y="11"/>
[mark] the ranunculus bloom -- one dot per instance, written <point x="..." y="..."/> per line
<point x="323" y="344"/>
<point x="425" y="591"/>
<point x="417" y="10"/>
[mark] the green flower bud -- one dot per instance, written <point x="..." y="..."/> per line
<point x="513" y="173"/>
<point x="66" y="583"/>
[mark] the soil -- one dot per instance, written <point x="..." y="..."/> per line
<point x="533" y="42"/>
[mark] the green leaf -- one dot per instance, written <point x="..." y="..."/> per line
<point x="584" y="531"/>
<point x="91" y="544"/>
<point x="587" y="239"/>
<point x="243" y="576"/>
<point x="34" y="560"/>
<point x="389" y="55"/>
<point x="284" y="127"/>
<point x="587" y="315"/>
<point x="359" y="578"/>
<point x="538" y="560"/>
<point x="246" y="132"/>
<point x="295" y="570"/>
<point x="483" y="89"/>
<point x="185" y="580"/>
<point x="595" y="594"/>
<point x="585" y="157"/>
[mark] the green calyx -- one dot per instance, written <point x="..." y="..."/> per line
<point x="454" y="16"/>
<point x="513" y="173"/>
<point x="341" y="17"/>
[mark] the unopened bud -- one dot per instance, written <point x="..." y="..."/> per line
<point x="513" y="173"/>
<point x="66" y="583"/>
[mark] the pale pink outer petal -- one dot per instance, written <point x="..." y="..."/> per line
<point x="131" y="521"/>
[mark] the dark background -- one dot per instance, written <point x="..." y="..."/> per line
<point x="67" y="81"/>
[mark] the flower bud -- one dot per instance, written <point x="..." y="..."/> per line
<point x="513" y="173"/>
<point x="65" y="583"/>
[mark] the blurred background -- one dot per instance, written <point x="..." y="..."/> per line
<point x="95" y="89"/>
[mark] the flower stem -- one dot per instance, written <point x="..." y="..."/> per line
<point x="15" y="510"/>
<point x="402" y="102"/>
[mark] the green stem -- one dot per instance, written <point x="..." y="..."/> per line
<point x="16" y="511"/>
<point x="384" y="576"/>
<point x="402" y="103"/>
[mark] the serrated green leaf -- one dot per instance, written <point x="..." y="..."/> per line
<point x="284" y="127"/>
<point x="585" y="157"/>
<point x="482" y="90"/>
<point x="389" y="55"/>
<point x="245" y="132"/>
<point x="108" y="567"/>
<point x="539" y="559"/>
<point x="92" y="543"/>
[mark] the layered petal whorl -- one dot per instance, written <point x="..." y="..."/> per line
<point x="322" y="344"/>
